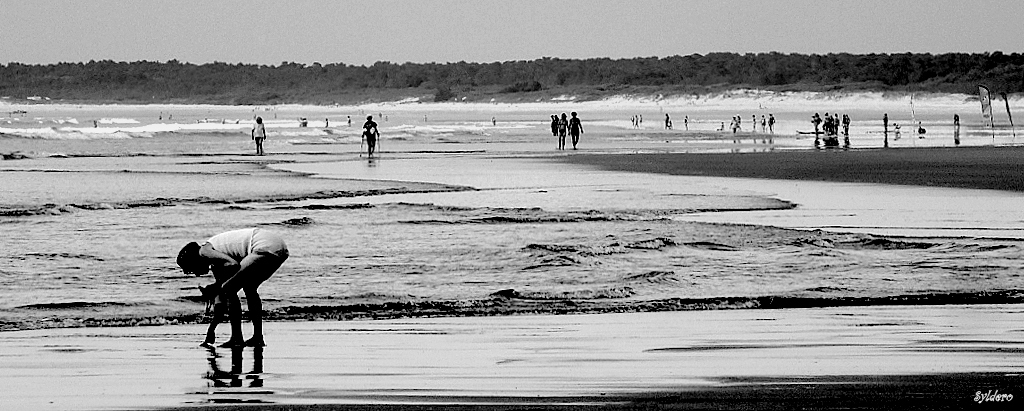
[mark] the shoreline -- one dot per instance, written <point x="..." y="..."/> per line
<point x="987" y="168"/>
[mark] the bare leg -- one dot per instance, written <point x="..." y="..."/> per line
<point x="235" y="314"/>
<point x="218" y="312"/>
<point x="252" y="298"/>
<point x="255" y="269"/>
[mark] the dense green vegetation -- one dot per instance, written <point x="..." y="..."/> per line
<point x="173" y="81"/>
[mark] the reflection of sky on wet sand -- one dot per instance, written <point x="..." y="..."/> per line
<point x="846" y="207"/>
<point x="489" y="359"/>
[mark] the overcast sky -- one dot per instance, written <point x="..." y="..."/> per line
<point x="362" y="32"/>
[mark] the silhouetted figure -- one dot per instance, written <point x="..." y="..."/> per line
<point x="575" y="129"/>
<point x="563" y="128"/>
<point x="370" y="134"/>
<point x="956" y="129"/>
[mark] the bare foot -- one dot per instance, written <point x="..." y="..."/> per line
<point x="255" y="342"/>
<point x="207" y="344"/>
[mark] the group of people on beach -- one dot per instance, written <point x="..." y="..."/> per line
<point x="829" y="126"/>
<point x="560" y="126"/>
<point x="767" y="124"/>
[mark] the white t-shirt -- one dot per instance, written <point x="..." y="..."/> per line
<point x="259" y="131"/>
<point x="236" y="243"/>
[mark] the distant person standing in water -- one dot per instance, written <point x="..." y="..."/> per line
<point x="241" y="260"/>
<point x="668" y="122"/>
<point x="370" y="133"/>
<point x="956" y="129"/>
<point x="576" y="128"/>
<point x="259" y="133"/>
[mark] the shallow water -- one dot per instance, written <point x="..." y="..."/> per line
<point x="457" y="216"/>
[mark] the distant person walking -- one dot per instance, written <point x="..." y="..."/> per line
<point x="885" y="123"/>
<point x="554" y="125"/>
<point x="668" y="122"/>
<point x="686" y="123"/>
<point x="563" y="128"/>
<point x="370" y="134"/>
<point x="576" y="128"/>
<point x="771" y="123"/>
<point x="259" y="133"/>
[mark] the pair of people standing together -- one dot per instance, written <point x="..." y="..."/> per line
<point x="561" y="126"/>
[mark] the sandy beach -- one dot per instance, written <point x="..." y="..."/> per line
<point x="939" y="357"/>
<point x="991" y="168"/>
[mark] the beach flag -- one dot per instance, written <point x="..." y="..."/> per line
<point x="986" y="102"/>
<point x="1008" y="115"/>
<point x="986" y="108"/>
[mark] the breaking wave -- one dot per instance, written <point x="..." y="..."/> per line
<point x="513" y="302"/>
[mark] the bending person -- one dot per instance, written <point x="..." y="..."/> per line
<point x="240" y="260"/>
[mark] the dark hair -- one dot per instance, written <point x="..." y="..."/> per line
<point x="259" y="120"/>
<point x="189" y="259"/>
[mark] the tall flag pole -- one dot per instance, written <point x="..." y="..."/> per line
<point x="986" y="109"/>
<point x="1014" y="130"/>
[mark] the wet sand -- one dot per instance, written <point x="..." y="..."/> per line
<point x="905" y="357"/>
<point x="995" y="168"/>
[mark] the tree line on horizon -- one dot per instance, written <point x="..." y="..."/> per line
<point x="289" y="82"/>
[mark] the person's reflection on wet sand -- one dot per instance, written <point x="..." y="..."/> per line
<point x="235" y="377"/>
